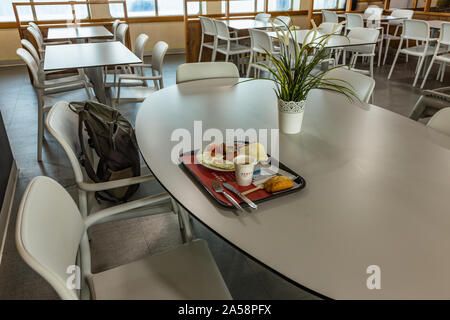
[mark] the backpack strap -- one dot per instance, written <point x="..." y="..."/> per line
<point x="85" y="159"/>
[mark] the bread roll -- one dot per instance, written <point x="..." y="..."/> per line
<point x="278" y="183"/>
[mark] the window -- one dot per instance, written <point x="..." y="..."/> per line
<point x="328" y="4"/>
<point x="149" y="8"/>
<point x="7" y="12"/>
<point x="280" y="5"/>
<point x="243" y="6"/>
<point x="53" y="12"/>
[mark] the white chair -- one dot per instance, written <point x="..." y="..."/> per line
<point x="441" y="121"/>
<point x="373" y="20"/>
<point x="443" y="59"/>
<point x="353" y="20"/>
<point x="50" y="232"/>
<point x="366" y="34"/>
<point x="206" y="70"/>
<point x="209" y="29"/>
<point x="122" y="33"/>
<point x="114" y="27"/>
<point x="282" y="21"/>
<point x="63" y="124"/>
<point x="127" y="93"/>
<point x="329" y="16"/>
<point x="260" y="42"/>
<point x="415" y="30"/>
<point x="265" y="17"/>
<point x="329" y="28"/>
<point x="231" y="46"/>
<point x="139" y="49"/>
<point x="48" y="91"/>
<point x="399" y="13"/>
<point x="41" y="36"/>
<point x="361" y="85"/>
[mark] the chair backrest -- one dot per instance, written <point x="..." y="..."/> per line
<point x="260" y="40"/>
<point x="139" y="46"/>
<point x="222" y="30"/>
<point x="31" y="64"/>
<point x="49" y="230"/>
<point x="329" y="16"/>
<point x="416" y="29"/>
<point x="208" y="26"/>
<point x="402" y="13"/>
<point x="36" y="27"/>
<point x="445" y="34"/>
<point x="263" y="17"/>
<point x="328" y="27"/>
<point x="115" y="25"/>
<point x="353" y="20"/>
<point x="361" y="84"/>
<point x="158" y="53"/>
<point x="282" y="21"/>
<point x="31" y="49"/>
<point x="441" y="121"/>
<point x="37" y="37"/>
<point x="62" y="123"/>
<point x="206" y="70"/>
<point x="366" y="34"/>
<point x="122" y="32"/>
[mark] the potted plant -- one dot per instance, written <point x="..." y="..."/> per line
<point x="294" y="72"/>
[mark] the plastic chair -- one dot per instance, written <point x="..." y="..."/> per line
<point x="47" y="91"/>
<point x="444" y="40"/>
<point x="260" y="42"/>
<point x="329" y="16"/>
<point x="231" y="46"/>
<point x="415" y="30"/>
<point x="208" y="28"/>
<point x="330" y="27"/>
<point x="430" y="102"/>
<point x="114" y="27"/>
<point x="441" y="121"/>
<point x="399" y="13"/>
<point x="139" y="49"/>
<point x="206" y="70"/>
<point x="361" y="85"/>
<point x="366" y="34"/>
<point x="265" y="17"/>
<point x="353" y="20"/>
<point x="50" y="232"/>
<point x="41" y="36"/>
<point x="122" y="33"/>
<point x="373" y="20"/>
<point x="127" y="93"/>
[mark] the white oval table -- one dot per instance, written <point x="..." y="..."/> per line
<point x="378" y="189"/>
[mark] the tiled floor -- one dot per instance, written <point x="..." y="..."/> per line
<point x="120" y="242"/>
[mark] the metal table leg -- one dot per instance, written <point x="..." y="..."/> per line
<point x="95" y="74"/>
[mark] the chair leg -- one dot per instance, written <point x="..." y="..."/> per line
<point x="372" y="58"/>
<point x="201" y="49"/>
<point x="249" y="65"/>
<point x="428" y="72"/>
<point x="380" y="52"/>
<point x="443" y="71"/>
<point x="407" y="46"/>
<point x="40" y="136"/>
<point x="418" y="70"/>
<point x="395" y="59"/>
<point x="439" y="71"/>
<point x="386" y="50"/>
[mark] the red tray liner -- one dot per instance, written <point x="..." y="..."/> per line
<point x="204" y="175"/>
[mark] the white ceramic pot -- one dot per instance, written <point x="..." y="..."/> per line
<point x="290" y="116"/>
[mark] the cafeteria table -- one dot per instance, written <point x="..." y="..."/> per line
<point x="78" y="33"/>
<point x="377" y="188"/>
<point x="93" y="57"/>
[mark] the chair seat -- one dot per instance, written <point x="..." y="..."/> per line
<point x="134" y="93"/>
<point x="420" y="50"/>
<point x="125" y="82"/>
<point x="444" y="58"/>
<point x="186" y="272"/>
<point x="63" y="79"/>
<point x="73" y="95"/>
<point x="235" y="48"/>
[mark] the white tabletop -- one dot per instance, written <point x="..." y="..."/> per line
<point x="382" y="18"/>
<point x="85" y="55"/>
<point x="333" y="42"/>
<point x="377" y="189"/>
<point x="245" y="24"/>
<point x="78" y="33"/>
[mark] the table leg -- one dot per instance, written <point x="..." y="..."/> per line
<point x="95" y="74"/>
